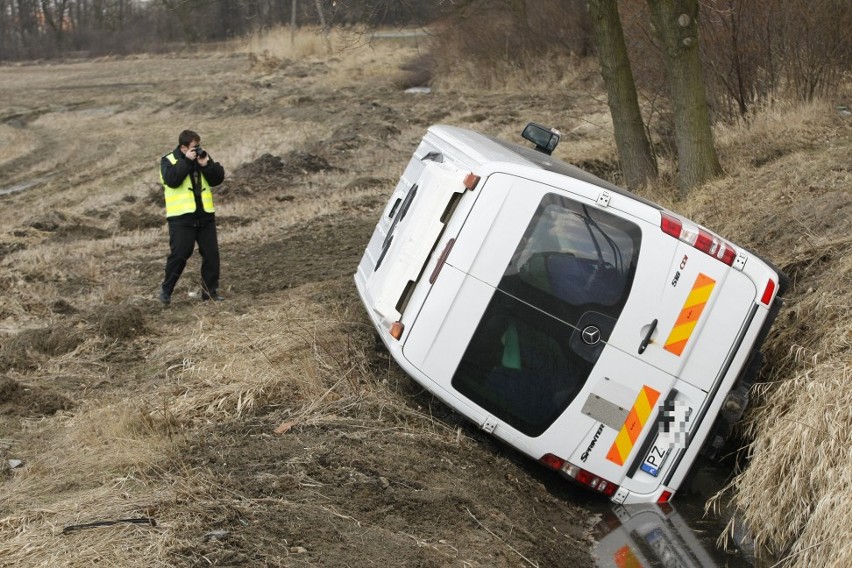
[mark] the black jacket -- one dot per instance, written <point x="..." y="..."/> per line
<point x="174" y="174"/>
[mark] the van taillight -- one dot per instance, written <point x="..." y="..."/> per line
<point x="552" y="461"/>
<point x="768" y="292"/>
<point x="664" y="497"/>
<point x="579" y="475"/>
<point x="697" y="237"/>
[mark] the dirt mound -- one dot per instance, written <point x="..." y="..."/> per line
<point x="265" y="165"/>
<point x="65" y="227"/>
<point x="270" y="66"/>
<point x="78" y="232"/>
<point x="9" y="248"/>
<point x="365" y="125"/>
<point x="49" y="222"/>
<point x="270" y="172"/>
<point x="62" y="306"/>
<point x="368" y="182"/>
<point x="131" y="221"/>
<point x="327" y="248"/>
<point x="119" y="322"/>
<point x="296" y="162"/>
<point x="21" y="350"/>
<point x="19" y="400"/>
<point x="381" y="128"/>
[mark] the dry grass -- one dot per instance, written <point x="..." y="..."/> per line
<point x="551" y="75"/>
<point x="283" y="42"/>
<point x="113" y="461"/>
<point x="794" y="494"/>
<point x="308" y="43"/>
<point x="96" y="468"/>
<point x="226" y="372"/>
<point x="787" y="195"/>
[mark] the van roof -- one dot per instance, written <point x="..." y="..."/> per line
<point x="482" y="148"/>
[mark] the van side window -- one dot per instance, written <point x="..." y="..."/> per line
<point x="406" y="203"/>
<point x="573" y="262"/>
<point x="575" y="254"/>
<point x="409" y="197"/>
<point x="395" y="207"/>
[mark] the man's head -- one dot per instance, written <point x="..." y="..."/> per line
<point x="187" y="137"/>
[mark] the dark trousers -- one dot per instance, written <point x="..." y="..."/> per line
<point x="183" y="234"/>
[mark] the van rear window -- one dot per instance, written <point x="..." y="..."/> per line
<point x="573" y="268"/>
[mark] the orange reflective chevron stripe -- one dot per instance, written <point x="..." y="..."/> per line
<point x="636" y="419"/>
<point x="624" y="558"/>
<point x="689" y="314"/>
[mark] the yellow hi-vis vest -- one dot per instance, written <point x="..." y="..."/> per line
<point x="181" y="200"/>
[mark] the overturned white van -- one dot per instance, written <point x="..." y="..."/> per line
<point x="592" y="330"/>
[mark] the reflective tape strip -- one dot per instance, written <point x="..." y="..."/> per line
<point x="624" y="558"/>
<point x="689" y="314"/>
<point x="636" y="419"/>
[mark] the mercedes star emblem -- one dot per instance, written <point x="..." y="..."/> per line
<point x="591" y="335"/>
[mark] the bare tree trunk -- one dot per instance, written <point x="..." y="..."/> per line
<point x="28" y="18"/>
<point x="181" y="12"/>
<point x="293" y="23"/>
<point x="676" y="24"/>
<point x="634" y="149"/>
<point x="325" y="31"/>
<point x="54" y="16"/>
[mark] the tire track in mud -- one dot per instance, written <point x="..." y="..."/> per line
<point x="323" y="249"/>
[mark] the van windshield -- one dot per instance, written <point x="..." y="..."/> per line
<point x="572" y="270"/>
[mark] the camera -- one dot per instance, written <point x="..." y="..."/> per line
<point x="200" y="152"/>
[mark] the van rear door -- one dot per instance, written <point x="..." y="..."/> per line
<point x="527" y="325"/>
<point x="686" y="310"/>
<point x="406" y="235"/>
<point x="516" y="328"/>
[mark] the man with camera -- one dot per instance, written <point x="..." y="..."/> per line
<point x="187" y="174"/>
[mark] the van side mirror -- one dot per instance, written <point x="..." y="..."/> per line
<point x="545" y="139"/>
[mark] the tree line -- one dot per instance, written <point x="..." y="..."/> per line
<point x="671" y="67"/>
<point x="682" y="63"/>
<point x="38" y="29"/>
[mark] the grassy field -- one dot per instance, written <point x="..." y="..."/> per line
<point x="271" y="429"/>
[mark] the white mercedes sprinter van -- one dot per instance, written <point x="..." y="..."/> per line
<point x="594" y="331"/>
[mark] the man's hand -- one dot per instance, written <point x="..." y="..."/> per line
<point x="190" y="154"/>
<point x="203" y="161"/>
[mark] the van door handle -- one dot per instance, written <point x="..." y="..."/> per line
<point x="647" y="339"/>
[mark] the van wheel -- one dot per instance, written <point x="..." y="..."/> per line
<point x="783" y="283"/>
<point x="735" y="404"/>
<point x="717" y="439"/>
<point x="689" y="485"/>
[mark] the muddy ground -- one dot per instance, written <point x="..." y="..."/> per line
<point x="367" y="469"/>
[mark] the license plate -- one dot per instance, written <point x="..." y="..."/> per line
<point x="655" y="459"/>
